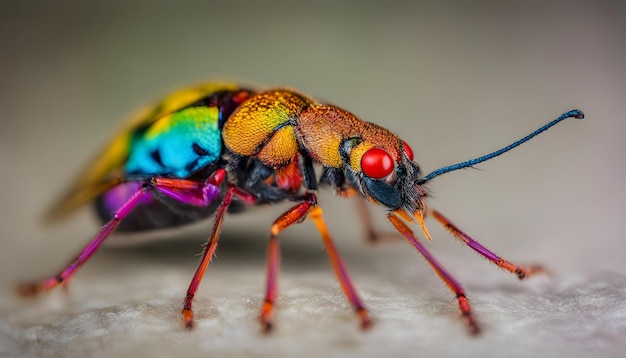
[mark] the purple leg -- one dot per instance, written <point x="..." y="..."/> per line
<point x="188" y="191"/>
<point x="452" y="283"/>
<point x="521" y="271"/>
<point x="66" y="274"/>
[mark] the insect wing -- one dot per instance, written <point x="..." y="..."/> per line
<point x="106" y="169"/>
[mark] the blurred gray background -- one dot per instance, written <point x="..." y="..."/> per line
<point x="455" y="80"/>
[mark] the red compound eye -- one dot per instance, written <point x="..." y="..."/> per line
<point x="408" y="150"/>
<point x="376" y="163"/>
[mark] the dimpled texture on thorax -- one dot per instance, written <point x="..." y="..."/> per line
<point x="262" y="127"/>
<point x="322" y="129"/>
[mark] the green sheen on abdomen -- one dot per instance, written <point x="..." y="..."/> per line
<point x="177" y="144"/>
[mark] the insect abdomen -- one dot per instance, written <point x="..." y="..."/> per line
<point x="186" y="143"/>
<point x="182" y="142"/>
<point x="177" y="144"/>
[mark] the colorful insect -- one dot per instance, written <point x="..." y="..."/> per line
<point x="216" y="148"/>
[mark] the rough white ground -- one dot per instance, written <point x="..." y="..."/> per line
<point x="127" y="303"/>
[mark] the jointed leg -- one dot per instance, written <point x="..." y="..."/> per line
<point x="363" y="211"/>
<point x="186" y="191"/>
<point x="464" y="304"/>
<point x="340" y="269"/>
<point x="66" y="274"/>
<point x="520" y="271"/>
<point x="209" y="250"/>
<point x="192" y="192"/>
<point x="291" y="216"/>
<point x="273" y="266"/>
<point x="373" y="235"/>
<point x="308" y="206"/>
<point x="207" y="255"/>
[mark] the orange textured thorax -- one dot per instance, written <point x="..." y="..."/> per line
<point x="260" y="127"/>
<point x="321" y="129"/>
<point x="274" y="125"/>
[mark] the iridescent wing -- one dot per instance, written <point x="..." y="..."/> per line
<point x="106" y="169"/>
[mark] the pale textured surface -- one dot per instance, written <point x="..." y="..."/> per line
<point x="133" y="308"/>
<point x="455" y="81"/>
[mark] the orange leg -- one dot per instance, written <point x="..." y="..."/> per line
<point x="521" y="271"/>
<point x="452" y="283"/>
<point x="340" y="269"/>
<point x="209" y="250"/>
<point x="273" y="266"/>
<point x="288" y="218"/>
<point x="373" y="235"/>
<point x="308" y="206"/>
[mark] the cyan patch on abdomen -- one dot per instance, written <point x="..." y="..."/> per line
<point x="176" y="145"/>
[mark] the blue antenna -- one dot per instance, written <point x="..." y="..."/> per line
<point x="576" y="113"/>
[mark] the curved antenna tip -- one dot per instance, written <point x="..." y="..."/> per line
<point x="577" y="113"/>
